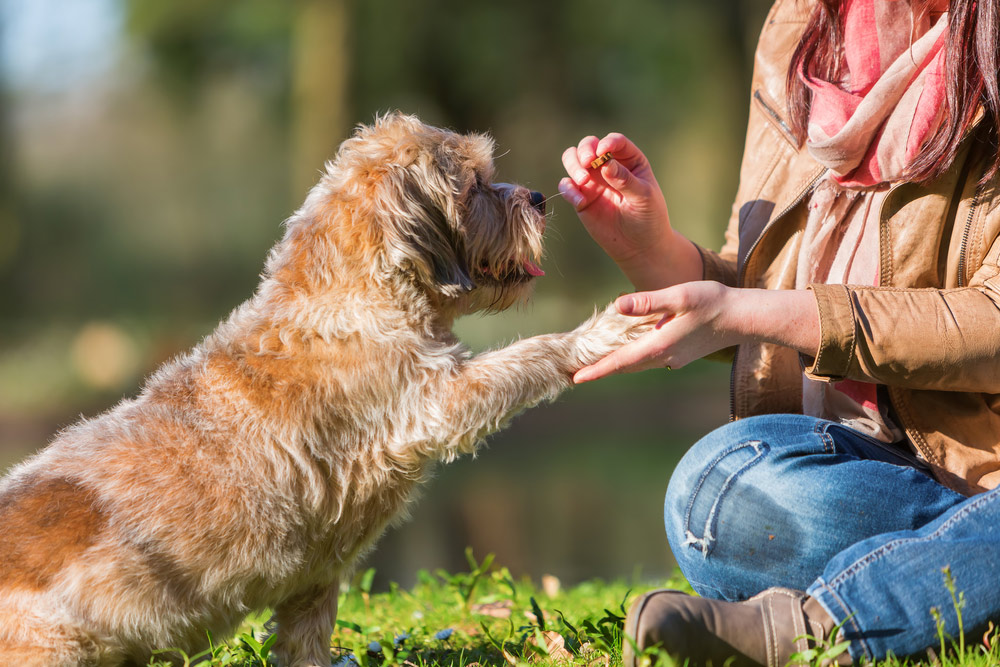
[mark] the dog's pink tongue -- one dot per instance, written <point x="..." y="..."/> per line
<point x="533" y="269"/>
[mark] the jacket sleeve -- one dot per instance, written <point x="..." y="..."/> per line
<point x="721" y="266"/>
<point x="718" y="266"/>
<point x="938" y="339"/>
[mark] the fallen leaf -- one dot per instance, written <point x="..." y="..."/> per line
<point x="555" y="646"/>
<point x="508" y="656"/>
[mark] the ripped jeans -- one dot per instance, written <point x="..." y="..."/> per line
<point x="799" y="502"/>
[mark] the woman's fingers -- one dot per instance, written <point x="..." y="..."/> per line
<point x="688" y="329"/>
<point x="618" y="174"/>
<point x="586" y="150"/>
<point x="579" y="196"/>
<point x="571" y="193"/>
<point x="584" y="185"/>
<point x="623" y="180"/>
<point x="622" y="148"/>
<point x="571" y="163"/>
<point x="576" y="161"/>
<point x="645" y="352"/>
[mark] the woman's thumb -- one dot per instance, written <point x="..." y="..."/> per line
<point x="637" y="303"/>
<point x="662" y="301"/>
<point x="620" y="178"/>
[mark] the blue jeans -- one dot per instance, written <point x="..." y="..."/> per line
<point x="793" y="501"/>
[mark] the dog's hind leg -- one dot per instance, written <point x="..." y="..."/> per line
<point x="55" y="647"/>
<point x="305" y="623"/>
<point x="38" y="656"/>
<point x="36" y="631"/>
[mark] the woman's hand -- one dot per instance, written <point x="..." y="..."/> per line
<point x="622" y="207"/>
<point x="703" y="317"/>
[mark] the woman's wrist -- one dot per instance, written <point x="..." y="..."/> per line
<point x="673" y="261"/>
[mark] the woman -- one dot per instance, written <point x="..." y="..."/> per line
<point x="859" y="286"/>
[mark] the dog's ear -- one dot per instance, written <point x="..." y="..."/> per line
<point x="419" y="220"/>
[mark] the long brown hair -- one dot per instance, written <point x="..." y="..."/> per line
<point x="972" y="58"/>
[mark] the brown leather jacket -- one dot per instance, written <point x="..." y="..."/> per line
<point x="930" y="331"/>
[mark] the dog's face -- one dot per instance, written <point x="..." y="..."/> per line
<point x="423" y="205"/>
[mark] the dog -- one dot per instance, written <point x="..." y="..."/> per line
<point x="253" y="471"/>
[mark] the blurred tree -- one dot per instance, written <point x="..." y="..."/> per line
<point x="9" y="225"/>
<point x="192" y="40"/>
<point x="309" y="41"/>
<point x="321" y="62"/>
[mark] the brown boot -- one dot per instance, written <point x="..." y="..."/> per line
<point x="760" y="631"/>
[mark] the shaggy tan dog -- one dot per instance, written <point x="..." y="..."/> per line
<point x="252" y="471"/>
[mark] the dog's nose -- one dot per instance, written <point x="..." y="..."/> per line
<point x="537" y="200"/>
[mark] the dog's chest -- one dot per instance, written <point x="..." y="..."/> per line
<point x="366" y="509"/>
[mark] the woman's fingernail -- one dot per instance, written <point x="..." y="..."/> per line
<point x="625" y="304"/>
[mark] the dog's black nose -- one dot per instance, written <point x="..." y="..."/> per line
<point x="537" y="200"/>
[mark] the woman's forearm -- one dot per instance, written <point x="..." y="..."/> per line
<point x="783" y="317"/>
<point x="677" y="262"/>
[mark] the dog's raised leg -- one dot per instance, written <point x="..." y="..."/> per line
<point x="305" y="623"/>
<point x="494" y="386"/>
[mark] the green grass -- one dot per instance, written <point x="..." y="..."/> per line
<point x="485" y="618"/>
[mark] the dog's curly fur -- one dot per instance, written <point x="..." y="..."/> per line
<point x="252" y="471"/>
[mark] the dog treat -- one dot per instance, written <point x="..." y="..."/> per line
<point x="601" y="159"/>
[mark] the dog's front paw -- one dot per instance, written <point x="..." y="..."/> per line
<point x="607" y="331"/>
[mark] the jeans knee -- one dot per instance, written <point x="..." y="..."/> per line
<point x="729" y="505"/>
<point x="709" y="472"/>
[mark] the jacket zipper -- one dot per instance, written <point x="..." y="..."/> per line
<point x="732" y="385"/>
<point x="964" y="246"/>
<point x="895" y="398"/>
<point x="742" y="273"/>
<point x="775" y="116"/>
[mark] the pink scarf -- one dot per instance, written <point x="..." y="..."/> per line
<point x="866" y="129"/>
<point x="870" y="126"/>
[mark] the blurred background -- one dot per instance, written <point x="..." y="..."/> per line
<point x="149" y="150"/>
